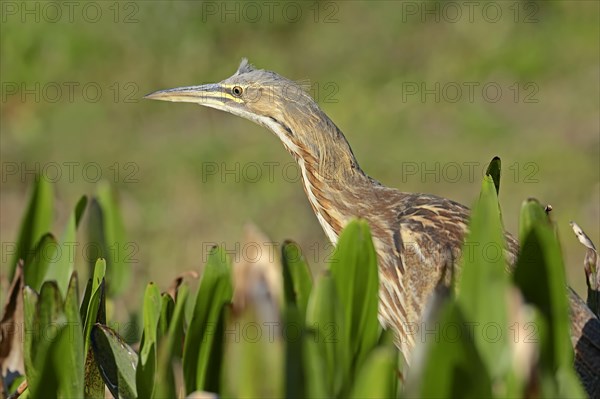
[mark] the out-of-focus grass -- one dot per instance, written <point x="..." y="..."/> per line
<point x="173" y="211"/>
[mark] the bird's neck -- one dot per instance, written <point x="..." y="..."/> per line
<point x="332" y="179"/>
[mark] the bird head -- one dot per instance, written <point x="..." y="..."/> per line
<point x="277" y="103"/>
<point x="261" y="96"/>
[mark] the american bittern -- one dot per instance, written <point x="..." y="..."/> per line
<point x="417" y="236"/>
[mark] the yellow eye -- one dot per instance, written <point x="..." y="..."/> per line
<point x="237" y="91"/>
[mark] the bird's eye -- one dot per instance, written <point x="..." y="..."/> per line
<point x="237" y="91"/>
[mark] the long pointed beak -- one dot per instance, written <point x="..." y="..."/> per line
<point x="208" y="95"/>
<point x="214" y="95"/>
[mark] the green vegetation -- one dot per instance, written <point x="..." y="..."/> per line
<point x="321" y="340"/>
<point x="362" y="63"/>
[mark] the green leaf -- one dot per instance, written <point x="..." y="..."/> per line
<point x="324" y="317"/>
<point x="354" y="270"/>
<point x="96" y="246"/>
<point x="450" y="365"/>
<point x="377" y="376"/>
<point x="114" y="233"/>
<point x="31" y="324"/>
<point x="107" y="240"/>
<point x="116" y="361"/>
<point x="85" y="302"/>
<point x="170" y="347"/>
<point x="203" y="344"/>
<point x="37" y="221"/>
<point x="36" y="264"/>
<point x="483" y="287"/>
<point x="50" y="309"/>
<point x="532" y="213"/>
<point x="96" y="302"/>
<point x="44" y="324"/>
<point x="61" y="269"/>
<point x="294" y="335"/>
<point x="253" y="359"/>
<point x="166" y="313"/>
<point x="540" y="276"/>
<point x="152" y="307"/>
<point x="493" y="170"/>
<point x="176" y="326"/>
<point x="94" y="383"/>
<point x="95" y="313"/>
<point x="315" y="367"/>
<point x="147" y="356"/>
<point x="297" y="280"/>
<point x="60" y="375"/>
<point x="75" y="354"/>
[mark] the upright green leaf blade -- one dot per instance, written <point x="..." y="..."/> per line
<point x="94" y="381"/>
<point x="50" y="309"/>
<point x="37" y="221"/>
<point x="532" y="214"/>
<point x="331" y="354"/>
<point x="59" y="345"/>
<point x="294" y="334"/>
<point x="354" y="270"/>
<point x="38" y="261"/>
<point x="540" y="276"/>
<point x="115" y="238"/>
<point x="483" y="288"/>
<point x="95" y="303"/>
<point x="107" y="239"/>
<point x="94" y="313"/>
<point x="61" y="269"/>
<point x="493" y="170"/>
<point x="85" y="301"/>
<point x="202" y="344"/>
<point x="449" y="368"/>
<point x="167" y="307"/>
<point x="116" y="361"/>
<point x="377" y="376"/>
<point x="170" y="347"/>
<point x="60" y="375"/>
<point x="48" y="322"/>
<point x="147" y="356"/>
<point x="253" y="349"/>
<point x="297" y="280"/>
<point x="31" y="324"/>
<point x="75" y="354"/>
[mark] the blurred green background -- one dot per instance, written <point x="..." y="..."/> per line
<point x="386" y="72"/>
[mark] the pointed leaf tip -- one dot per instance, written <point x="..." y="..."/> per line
<point x="493" y="170"/>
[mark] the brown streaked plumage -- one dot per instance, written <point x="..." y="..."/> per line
<point x="418" y="237"/>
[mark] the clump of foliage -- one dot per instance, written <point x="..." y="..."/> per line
<point x="493" y="335"/>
